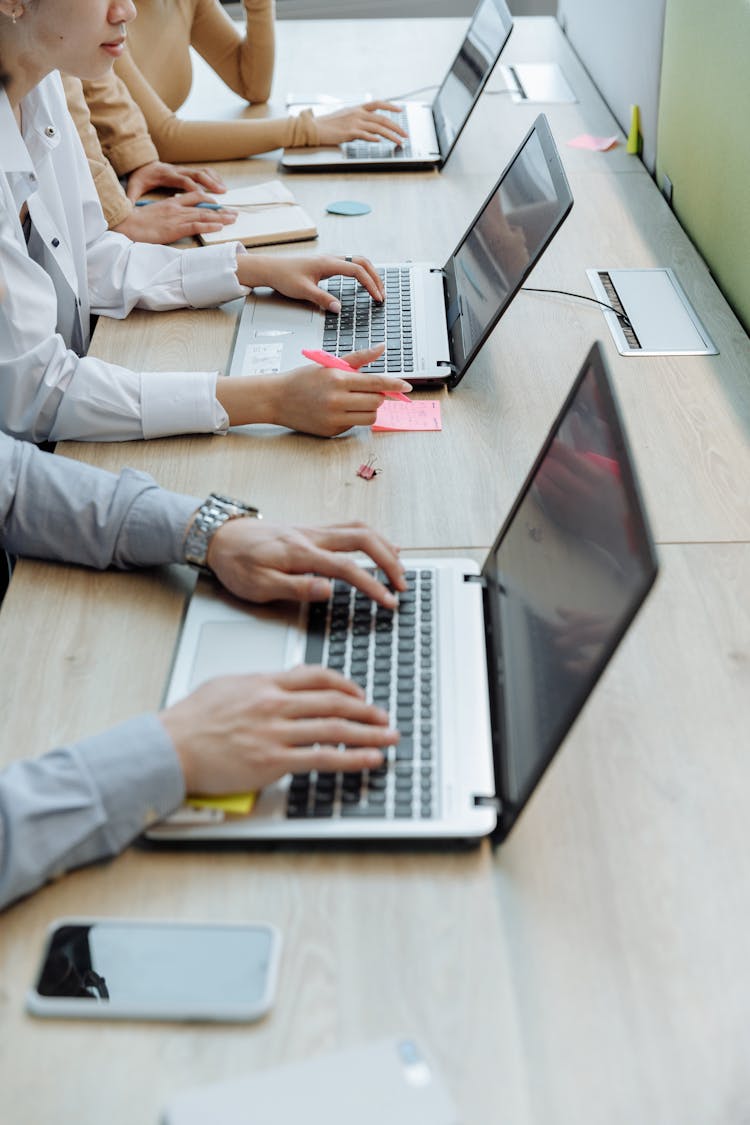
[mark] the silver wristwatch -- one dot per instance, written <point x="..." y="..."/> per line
<point x="212" y="514"/>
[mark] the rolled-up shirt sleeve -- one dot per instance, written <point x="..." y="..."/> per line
<point x="124" y="275"/>
<point x="50" y="389"/>
<point x="55" y="508"/>
<point x="85" y="802"/>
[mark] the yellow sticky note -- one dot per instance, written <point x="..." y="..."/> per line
<point x="240" y="804"/>
<point x="634" y="136"/>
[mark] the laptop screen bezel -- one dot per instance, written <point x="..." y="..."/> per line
<point x="446" y="151"/>
<point x="510" y="811"/>
<point x="462" y="362"/>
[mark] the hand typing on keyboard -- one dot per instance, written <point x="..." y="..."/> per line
<point x="262" y="562"/>
<point x="314" y="400"/>
<point x="240" y="733"/>
<point x="360" y="123"/>
<point x="300" y="277"/>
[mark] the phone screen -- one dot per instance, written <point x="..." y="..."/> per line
<point x="159" y="966"/>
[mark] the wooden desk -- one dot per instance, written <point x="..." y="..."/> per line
<point x="689" y="416"/>
<point x="574" y="977"/>
<point x="594" y="970"/>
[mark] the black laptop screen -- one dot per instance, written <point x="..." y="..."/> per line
<point x="508" y="236"/>
<point x="480" y="50"/>
<point x="568" y="573"/>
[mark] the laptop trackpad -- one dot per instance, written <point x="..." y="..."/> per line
<point x="232" y="648"/>
<point x="274" y="312"/>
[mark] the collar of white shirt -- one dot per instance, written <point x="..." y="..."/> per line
<point x="41" y="133"/>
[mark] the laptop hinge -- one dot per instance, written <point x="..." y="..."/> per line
<point x="478" y="578"/>
<point x="453" y="312"/>
<point x="438" y="269"/>
<point x="485" y="802"/>
<point x="515" y="86"/>
<point x="447" y="363"/>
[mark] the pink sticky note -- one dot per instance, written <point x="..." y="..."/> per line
<point x="417" y="414"/>
<point x="595" y="144"/>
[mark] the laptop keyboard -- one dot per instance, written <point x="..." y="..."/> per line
<point x="369" y="150"/>
<point x="392" y="656"/>
<point x="363" y="322"/>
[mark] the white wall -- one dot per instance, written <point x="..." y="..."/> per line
<point x="620" y="44"/>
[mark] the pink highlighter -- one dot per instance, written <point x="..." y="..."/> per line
<point x="325" y="359"/>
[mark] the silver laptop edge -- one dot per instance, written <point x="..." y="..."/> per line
<point x="433" y="137"/>
<point x="222" y="635"/>
<point x="273" y="330"/>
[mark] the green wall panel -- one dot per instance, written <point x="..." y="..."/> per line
<point x="704" y="134"/>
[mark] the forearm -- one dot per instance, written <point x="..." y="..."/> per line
<point x="244" y="61"/>
<point x="184" y="142"/>
<point x="115" y="203"/>
<point x="83" y="803"/>
<point x="179" y="141"/>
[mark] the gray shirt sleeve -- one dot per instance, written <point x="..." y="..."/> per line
<point x="55" y="508"/>
<point x="85" y="802"/>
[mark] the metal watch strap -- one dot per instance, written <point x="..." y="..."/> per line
<point x="213" y="513"/>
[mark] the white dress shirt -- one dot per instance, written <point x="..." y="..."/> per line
<point x="87" y="801"/>
<point x="72" y="267"/>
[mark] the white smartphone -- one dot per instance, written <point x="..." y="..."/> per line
<point x="118" y="968"/>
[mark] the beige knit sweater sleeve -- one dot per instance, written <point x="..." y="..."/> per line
<point x="244" y="62"/>
<point x="114" y="201"/>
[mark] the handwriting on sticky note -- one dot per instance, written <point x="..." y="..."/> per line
<point x="418" y="414"/>
<point x="240" y="804"/>
<point x="594" y="144"/>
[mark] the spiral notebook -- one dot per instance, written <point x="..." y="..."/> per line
<point x="268" y="213"/>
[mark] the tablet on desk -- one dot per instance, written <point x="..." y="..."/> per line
<point x="390" y="1082"/>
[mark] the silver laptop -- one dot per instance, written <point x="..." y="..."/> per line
<point x="433" y="129"/>
<point x="435" y="317"/>
<point x="483" y="671"/>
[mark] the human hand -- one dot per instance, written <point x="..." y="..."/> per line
<point x="157" y="174"/>
<point x="240" y="733"/>
<point x="360" y="122"/>
<point x="314" y="400"/>
<point x="263" y="562"/>
<point x="167" y="220"/>
<point x="299" y="276"/>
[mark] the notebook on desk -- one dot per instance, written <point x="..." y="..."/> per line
<point x="483" y="671"/>
<point x="433" y="129"/>
<point x="267" y="213"/>
<point x="436" y="317"/>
